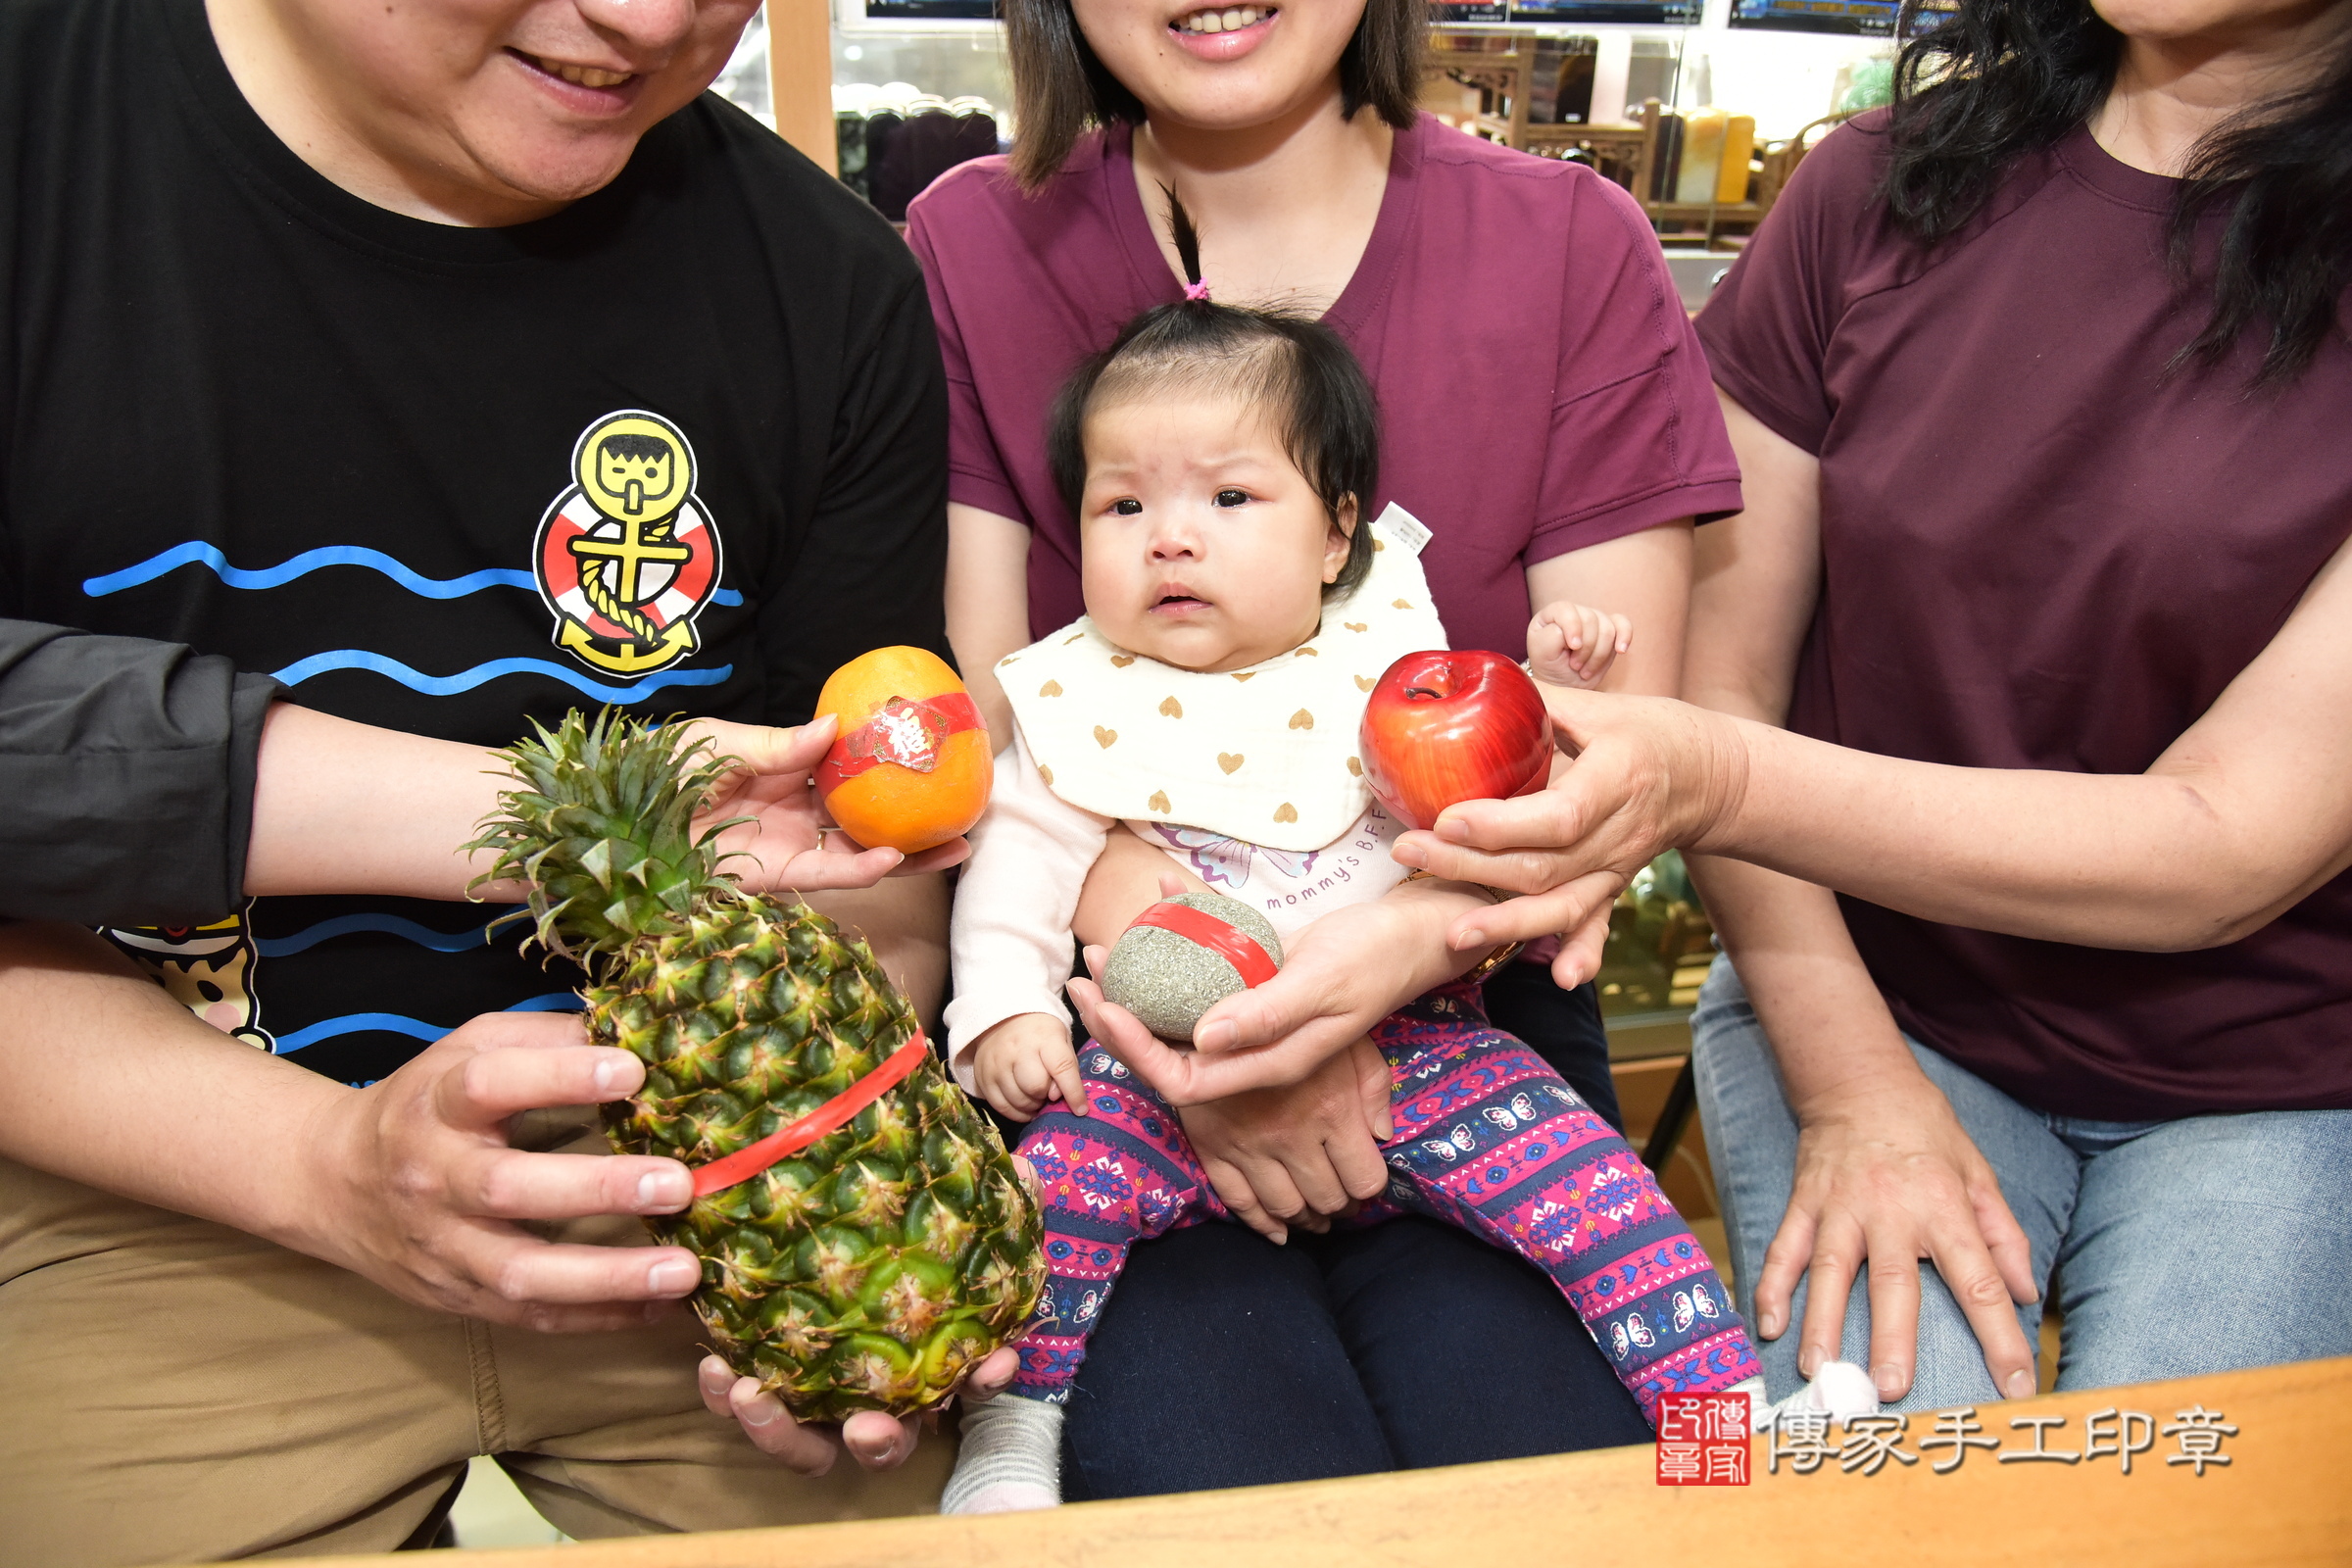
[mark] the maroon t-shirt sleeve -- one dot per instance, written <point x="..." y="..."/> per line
<point x="1769" y="323"/>
<point x="976" y="473"/>
<point x="1637" y="439"/>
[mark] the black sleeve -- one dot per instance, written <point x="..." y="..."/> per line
<point x="873" y="572"/>
<point x="128" y="769"/>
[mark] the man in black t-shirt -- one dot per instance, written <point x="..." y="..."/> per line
<point x="457" y="366"/>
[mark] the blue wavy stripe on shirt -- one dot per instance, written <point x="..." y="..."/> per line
<point x="197" y="552"/>
<point x="425" y="936"/>
<point x="465" y="680"/>
<point x="352" y="1023"/>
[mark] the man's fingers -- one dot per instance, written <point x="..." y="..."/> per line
<point x="480" y="1092"/>
<point x="1028" y="1174"/>
<point x="992" y="1374"/>
<point x="821" y="870"/>
<point x="769" y="749"/>
<point x="879" y="1442"/>
<point x="1894" y="1316"/>
<point x="773" y="1432"/>
<point x="523" y="1270"/>
<point x="714" y="1379"/>
<point x="510" y="1184"/>
<point x="938" y="858"/>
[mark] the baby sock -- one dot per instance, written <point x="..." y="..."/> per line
<point x="1010" y="1457"/>
<point x="1839" y="1391"/>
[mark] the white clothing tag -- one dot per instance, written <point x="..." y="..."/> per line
<point x="1403" y="527"/>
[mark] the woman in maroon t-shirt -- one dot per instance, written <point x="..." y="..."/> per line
<point x="1545" y="414"/>
<point x="2047" y="540"/>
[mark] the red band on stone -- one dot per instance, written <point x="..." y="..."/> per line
<point x="908" y="734"/>
<point x="793" y="1137"/>
<point x="1237" y="948"/>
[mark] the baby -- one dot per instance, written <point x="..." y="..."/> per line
<point x="1239" y="610"/>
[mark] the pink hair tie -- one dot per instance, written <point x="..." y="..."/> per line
<point x="1196" y="291"/>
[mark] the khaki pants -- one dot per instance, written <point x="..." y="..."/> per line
<point x="173" y="1391"/>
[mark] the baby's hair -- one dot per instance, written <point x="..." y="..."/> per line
<point x="1296" y="366"/>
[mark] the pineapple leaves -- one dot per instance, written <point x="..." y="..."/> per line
<point x="600" y="825"/>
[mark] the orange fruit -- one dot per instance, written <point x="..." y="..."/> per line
<point x="910" y="767"/>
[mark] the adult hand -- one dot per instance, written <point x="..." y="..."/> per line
<point x="875" y="1440"/>
<point x="1340" y="976"/>
<point x="790" y="842"/>
<point x="411" y="1183"/>
<point x="1304" y="1154"/>
<point x="1649" y="774"/>
<point x="1885" y="1175"/>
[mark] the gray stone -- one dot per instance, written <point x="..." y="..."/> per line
<point x="1168" y="981"/>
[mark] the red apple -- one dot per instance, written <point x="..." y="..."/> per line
<point x="1446" y="727"/>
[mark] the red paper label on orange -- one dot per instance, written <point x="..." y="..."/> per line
<point x="903" y="733"/>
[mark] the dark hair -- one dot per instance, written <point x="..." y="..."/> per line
<point x="1060" y="87"/>
<point x="630" y="445"/>
<point x="1326" y="412"/>
<point x="2003" y="77"/>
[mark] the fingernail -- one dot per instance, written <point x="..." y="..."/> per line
<point x="2021" y="1385"/>
<point x="1809" y="1362"/>
<point x="1889" y="1379"/>
<point x="671" y="1277"/>
<point x="1217" y="1036"/>
<point x="1452" y="831"/>
<point x="1472" y="938"/>
<point x="761" y="1412"/>
<point x="1768" y="1324"/>
<point x="608" y="1076"/>
<point x="659" y="1191"/>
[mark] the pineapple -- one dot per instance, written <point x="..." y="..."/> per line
<point x="866" y="1271"/>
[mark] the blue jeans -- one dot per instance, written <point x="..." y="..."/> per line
<point x="2181" y="1246"/>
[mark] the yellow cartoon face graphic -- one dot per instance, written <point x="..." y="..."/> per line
<point x="626" y="558"/>
<point x="207" y="969"/>
<point x="641" y="469"/>
<point x="634" y="465"/>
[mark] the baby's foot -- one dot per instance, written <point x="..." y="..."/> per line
<point x="1010" y="1458"/>
<point x="1840" y="1392"/>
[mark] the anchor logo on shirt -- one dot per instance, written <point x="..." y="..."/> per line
<point x="625" y="557"/>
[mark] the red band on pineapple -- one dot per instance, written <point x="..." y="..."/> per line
<point x="1237" y="948"/>
<point x="793" y="1137"/>
<point x="907" y="734"/>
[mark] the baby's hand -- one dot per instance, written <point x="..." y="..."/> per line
<point x="1026" y="1061"/>
<point x="1574" y="645"/>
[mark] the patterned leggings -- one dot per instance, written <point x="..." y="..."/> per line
<point x="1488" y="1137"/>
